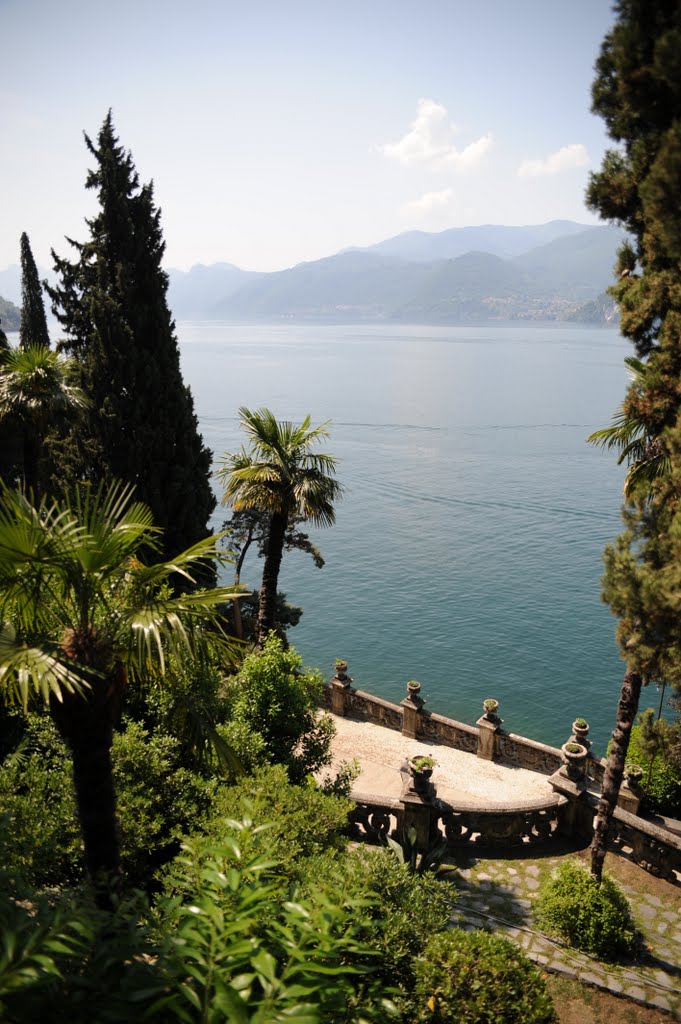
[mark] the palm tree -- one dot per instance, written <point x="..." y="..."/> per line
<point x="631" y="437"/>
<point x="81" y="615"/>
<point x="279" y="474"/>
<point x="35" y="388"/>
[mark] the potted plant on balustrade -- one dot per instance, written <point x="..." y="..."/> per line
<point x="580" y="732"/>
<point x="341" y="667"/>
<point x="421" y="768"/>
<point x="490" y="706"/>
<point x="575" y="755"/>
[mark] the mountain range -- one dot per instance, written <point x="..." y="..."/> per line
<point x="557" y="270"/>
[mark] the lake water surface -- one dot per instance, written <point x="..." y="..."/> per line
<point x="467" y="549"/>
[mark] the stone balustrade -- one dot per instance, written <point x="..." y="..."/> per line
<point x="568" y="811"/>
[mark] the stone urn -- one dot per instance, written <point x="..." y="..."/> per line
<point x="575" y="755"/>
<point x="490" y="707"/>
<point x="421" y="769"/>
<point x="414" y="691"/>
<point x="341" y="668"/>
<point x="580" y="732"/>
<point x="633" y="777"/>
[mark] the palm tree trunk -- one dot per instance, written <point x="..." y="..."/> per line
<point x="96" y="799"/>
<point x="626" y="713"/>
<point x="86" y="725"/>
<point x="270" y="575"/>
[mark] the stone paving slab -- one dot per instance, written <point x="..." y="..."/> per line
<point x="498" y="895"/>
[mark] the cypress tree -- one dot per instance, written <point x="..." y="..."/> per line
<point x="111" y="302"/>
<point x="33" y="330"/>
<point x="637" y="91"/>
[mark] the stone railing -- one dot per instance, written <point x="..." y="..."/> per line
<point x="569" y="811"/>
<point x="375" y="817"/>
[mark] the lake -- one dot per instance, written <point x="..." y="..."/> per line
<point x="467" y="551"/>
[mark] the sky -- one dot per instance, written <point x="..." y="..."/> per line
<point x="280" y="131"/>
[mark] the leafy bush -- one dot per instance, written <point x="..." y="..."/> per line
<point x="403" y="911"/>
<point x="275" y="698"/>
<point x="653" y="746"/>
<point x="73" y="962"/>
<point x="304" y="821"/>
<point x="40" y="842"/>
<point x="248" y="746"/>
<point x="157" y="801"/>
<point x="478" y="978"/>
<point x="588" y="916"/>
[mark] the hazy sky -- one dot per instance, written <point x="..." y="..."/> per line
<point x="278" y="131"/>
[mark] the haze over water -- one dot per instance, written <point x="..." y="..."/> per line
<point x="467" y="551"/>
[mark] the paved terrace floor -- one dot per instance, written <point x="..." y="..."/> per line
<point x="498" y="888"/>
<point x="457" y="775"/>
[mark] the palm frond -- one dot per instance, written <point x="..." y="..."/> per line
<point x="36" y="669"/>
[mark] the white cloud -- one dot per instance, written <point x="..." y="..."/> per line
<point x="429" y="141"/>
<point x="564" y="159"/>
<point x="429" y="203"/>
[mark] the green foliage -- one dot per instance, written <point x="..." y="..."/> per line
<point x="274" y="697"/>
<point x="40" y="843"/>
<point x="652" y="746"/>
<point x="304" y="820"/>
<point x="33" y="331"/>
<point x="158" y="801"/>
<point x="478" y="978"/>
<point x="407" y="852"/>
<point x="592" y="917"/>
<point x="74" y="963"/>
<point x="240" y="952"/>
<point x="403" y="910"/>
<point x="111" y="302"/>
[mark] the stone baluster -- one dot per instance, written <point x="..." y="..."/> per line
<point x="412" y="709"/>
<point x="488" y="725"/>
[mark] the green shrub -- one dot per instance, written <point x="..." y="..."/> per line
<point x="249" y="746"/>
<point x="275" y="698"/>
<point x="304" y="821"/>
<point x="157" y="800"/>
<point x="40" y="842"/>
<point x="651" y="746"/>
<point x="591" y="917"/>
<point x="404" y="910"/>
<point x="478" y="978"/>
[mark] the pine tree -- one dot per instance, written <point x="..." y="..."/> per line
<point x="33" y="331"/>
<point x="111" y="302"/>
<point x="637" y="91"/>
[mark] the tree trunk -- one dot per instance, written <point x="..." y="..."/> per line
<point x="85" y="722"/>
<point x="267" y="606"/>
<point x="614" y="772"/>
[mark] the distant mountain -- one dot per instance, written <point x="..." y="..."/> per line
<point x="10" y="315"/>
<point x="346" y="286"/>
<point x="577" y="267"/>
<point x="558" y="270"/>
<point x="10" y="283"/>
<point x="497" y="239"/>
<point x="193" y="294"/>
<point x="549" y="281"/>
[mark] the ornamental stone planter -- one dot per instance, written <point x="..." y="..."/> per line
<point x="490" y="706"/>
<point x="575" y="755"/>
<point x="580" y="733"/>
<point x="421" y="770"/>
